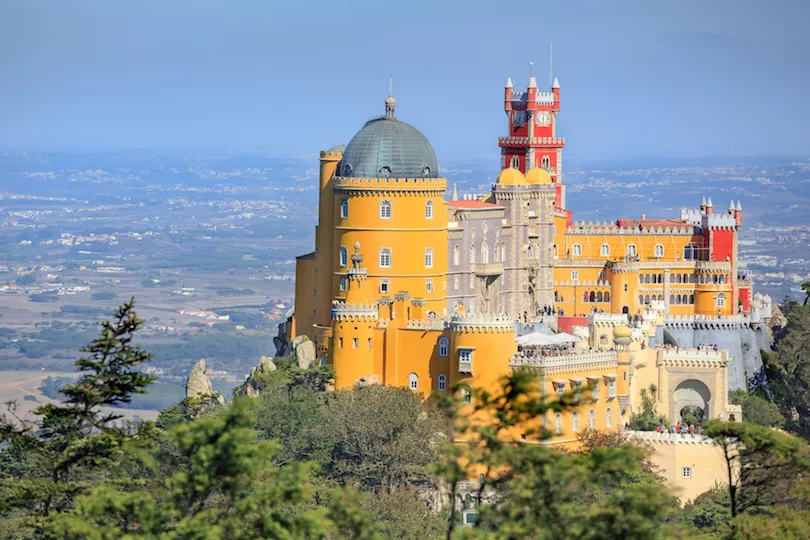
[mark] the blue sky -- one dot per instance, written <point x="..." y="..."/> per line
<point x="653" y="78"/>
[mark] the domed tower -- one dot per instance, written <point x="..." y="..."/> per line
<point x="390" y="198"/>
<point x="353" y="324"/>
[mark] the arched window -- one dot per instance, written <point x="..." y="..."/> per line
<point x="558" y="424"/>
<point x="484" y="253"/>
<point x="608" y="418"/>
<point x="344" y="208"/>
<point x="585" y="296"/>
<point x="575" y="422"/>
<point x="429" y="210"/>
<point x="720" y="300"/>
<point x="647" y="299"/>
<point x="715" y="279"/>
<point x="592" y="420"/>
<point x="576" y="249"/>
<point x="592" y="297"/>
<point x="344" y="256"/>
<point x="691" y="299"/>
<point x="472" y="254"/>
<point x="466" y="395"/>
<point x="444" y="347"/>
<point x="604" y="251"/>
<point x="607" y="296"/>
<point x="385" y="209"/>
<point x="545" y="162"/>
<point x="385" y="258"/>
<point x="671" y="299"/>
<point x="428" y="285"/>
<point x="428" y="257"/>
<point x="640" y="299"/>
<point x="441" y="382"/>
<point x="503" y="253"/>
<point x="684" y="299"/>
<point x="497" y="253"/>
<point x="631" y="250"/>
<point x="658" y="250"/>
<point x="687" y="253"/>
<point x="413" y="381"/>
<point x="456" y="255"/>
<point x="599" y="296"/>
<point x="514" y="162"/>
<point x="555" y="251"/>
<point x="660" y="278"/>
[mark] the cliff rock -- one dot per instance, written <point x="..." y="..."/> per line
<point x="198" y="383"/>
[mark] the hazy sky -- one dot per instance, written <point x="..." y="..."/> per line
<point x="652" y="78"/>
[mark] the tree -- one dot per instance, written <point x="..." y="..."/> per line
<point x="535" y="491"/>
<point x="757" y="460"/>
<point x="229" y="489"/>
<point x="757" y="410"/>
<point x="648" y="419"/>
<point x="787" y="370"/>
<point x="806" y="291"/>
<point x="73" y="439"/>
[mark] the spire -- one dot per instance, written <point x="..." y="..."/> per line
<point x="556" y="83"/>
<point x="709" y="204"/>
<point x="454" y="196"/>
<point x="739" y="206"/>
<point x="532" y="81"/>
<point x="509" y="82"/>
<point x="390" y="102"/>
<point x="702" y="202"/>
<point x="731" y="206"/>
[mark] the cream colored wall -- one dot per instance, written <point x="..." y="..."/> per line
<point x="708" y="467"/>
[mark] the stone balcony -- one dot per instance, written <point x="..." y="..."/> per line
<point x="488" y="269"/>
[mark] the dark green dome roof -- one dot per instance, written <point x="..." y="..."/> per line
<point x="386" y="147"/>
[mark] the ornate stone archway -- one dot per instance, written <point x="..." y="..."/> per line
<point x="691" y="392"/>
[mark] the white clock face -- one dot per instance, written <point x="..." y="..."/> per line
<point x="520" y="118"/>
<point x="542" y="118"/>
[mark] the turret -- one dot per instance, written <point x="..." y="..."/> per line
<point x="531" y="94"/>
<point x="738" y="215"/>
<point x="555" y="89"/>
<point x="709" y="207"/>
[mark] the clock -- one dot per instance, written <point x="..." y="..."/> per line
<point x="520" y="118"/>
<point x="542" y="118"/>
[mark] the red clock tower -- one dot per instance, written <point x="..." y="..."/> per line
<point x="532" y="140"/>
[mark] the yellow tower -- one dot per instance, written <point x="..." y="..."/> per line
<point x="624" y="287"/>
<point x="389" y="197"/>
<point x="481" y="349"/>
<point x="353" y="324"/>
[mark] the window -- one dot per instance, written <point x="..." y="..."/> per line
<point x="574" y="275"/>
<point x="720" y="300"/>
<point x="560" y="389"/>
<point x="545" y="162"/>
<point x="658" y="250"/>
<point x="465" y="358"/>
<point x="429" y="258"/>
<point x="611" y="388"/>
<point x="575" y="422"/>
<point x="344" y="256"/>
<point x="455" y="282"/>
<point x="428" y="285"/>
<point x="497" y="253"/>
<point x="576" y="249"/>
<point x="413" y="381"/>
<point x="385" y="258"/>
<point x="609" y="418"/>
<point x="355" y="343"/>
<point x="466" y="395"/>
<point x="456" y="255"/>
<point x="514" y="162"/>
<point x="429" y="210"/>
<point x="344" y="208"/>
<point x="594" y="389"/>
<point x="444" y="347"/>
<point x="385" y="209"/>
<point x="472" y="254"/>
<point x="343" y="284"/>
<point x="340" y="343"/>
<point x="369" y="343"/>
<point x="631" y="250"/>
<point x="686" y="472"/>
<point x="592" y="420"/>
<point x="441" y="382"/>
<point x="558" y="424"/>
<point x="484" y="253"/>
<point x="384" y="286"/>
<point x="604" y="251"/>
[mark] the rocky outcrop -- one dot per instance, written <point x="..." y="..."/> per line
<point x="283" y="347"/>
<point x="304" y="349"/>
<point x="368" y="380"/>
<point x="266" y="364"/>
<point x="198" y="383"/>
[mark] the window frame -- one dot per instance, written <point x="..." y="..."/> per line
<point x="429" y="210"/>
<point x="444" y="347"/>
<point x="441" y="382"/>
<point x="576" y="250"/>
<point x="413" y="381"/>
<point x="381" y="252"/>
<point x="344" y="208"/>
<point x="343" y="258"/>
<point x="429" y="257"/>
<point x="604" y="252"/>
<point x="385" y="204"/>
<point x="385" y="286"/>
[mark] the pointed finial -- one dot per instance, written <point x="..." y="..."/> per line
<point x="709" y="204"/>
<point x="390" y="86"/>
<point x="731" y="206"/>
<point x="390" y="102"/>
<point x="454" y="196"/>
<point x="357" y="247"/>
<point x="556" y="83"/>
<point x="509" y="82"/>
<point x="739" y="206"/>
<point x="703" y="201"/>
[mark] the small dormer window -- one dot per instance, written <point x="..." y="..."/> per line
<point x="347" y="170"/>
<point x="426" y="172"/>
<point x="385" y="172"/>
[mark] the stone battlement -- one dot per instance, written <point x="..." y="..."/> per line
<point x="482" y="323"/>
<point x="430" y="324"/>
<point x="587" y="227"/>
<point x="706" y="321"/>
<point x="389" y="183"/>
<point x="569" y="361"/>
<point x="344" y="311"/>
<point x="692" y="357"/>
<point x="668" y="438"/>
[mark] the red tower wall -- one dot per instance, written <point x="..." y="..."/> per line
<point x="723" y="244"/>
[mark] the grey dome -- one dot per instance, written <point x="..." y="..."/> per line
<point x="387" y="147"/>
<point x="337" y="148"/>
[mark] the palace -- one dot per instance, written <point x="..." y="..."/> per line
<point x="406" y="288"/>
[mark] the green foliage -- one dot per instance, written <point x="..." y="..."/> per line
<point x="757" y="410"/>
<point x="648" y="419"/>
<point x="806" y="291"/>
<point x="52" y="386"/>
<point x="709" y="513"/>
<point x="186" y="410"/>
<point x="75" y="438"/>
